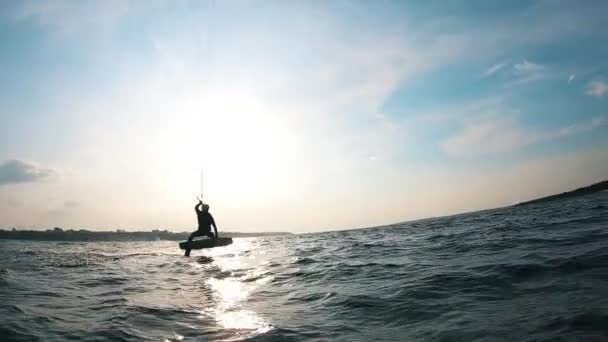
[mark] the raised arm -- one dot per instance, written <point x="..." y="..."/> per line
<point x="197" y="207"/>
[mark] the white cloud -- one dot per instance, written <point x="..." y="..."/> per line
<point x="494" y="69"/>
<point x="495" y="134"/>
<point x="17" y="171"/>
<point x="597" y="88"/>
<point x="526" y="71"/>
<point x="312" y="93"/>
<point x="477" y="108"/>
<point x="298" y="137"/>
<point x="503" y="134"/>
<point x="526" y="67"/>
<point x="571" y="78"/>
<point x="582" y="126"/>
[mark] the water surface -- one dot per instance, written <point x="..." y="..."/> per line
<point x="530" y="273"/>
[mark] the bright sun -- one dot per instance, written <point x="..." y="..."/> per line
<point x="238" y="143"/>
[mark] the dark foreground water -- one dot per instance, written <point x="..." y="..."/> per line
<point x="533" y="273"/>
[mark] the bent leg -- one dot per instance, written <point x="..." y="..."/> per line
<point x="195" y="234"/>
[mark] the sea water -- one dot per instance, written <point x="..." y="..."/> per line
<point x="537" y="272"/>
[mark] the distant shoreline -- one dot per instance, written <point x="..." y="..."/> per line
<point x="58" y="234"/>
<point x="593" y="188"/>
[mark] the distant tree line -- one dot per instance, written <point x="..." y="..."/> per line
<point x="593" y="188"/>
<point x="58" y="234"/>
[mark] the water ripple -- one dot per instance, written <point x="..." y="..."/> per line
<point x="537" y="272"/>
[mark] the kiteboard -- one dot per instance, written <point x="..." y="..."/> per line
<point x="204" y="243"/>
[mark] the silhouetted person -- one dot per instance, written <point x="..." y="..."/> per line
<point x="205" y="220"/>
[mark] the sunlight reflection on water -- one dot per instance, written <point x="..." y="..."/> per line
<point x="232" y="292"/>
<point x="176" y="337"/>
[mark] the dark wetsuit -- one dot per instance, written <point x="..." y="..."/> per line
<point x="205" y="220"/>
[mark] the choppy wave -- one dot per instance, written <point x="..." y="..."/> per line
<point x="533" y="273"/>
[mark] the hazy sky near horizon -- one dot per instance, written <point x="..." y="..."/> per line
<point x="303" y="115"/>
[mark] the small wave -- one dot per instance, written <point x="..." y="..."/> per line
<point x="132" y="255"/>
<point x="512" y="272"/>
<point x="358" y="302"/>
<point x="15" y="309"/>
<point x="114" y="301"/>
<point x="72" y="265"/>
<point x="161" y="312"/>
<point x="12" y="334"/>
<point x="311" y="297"/>
<point x="116" y="334"/>
<point x="592" y="321"/>
<point x="48" y="294"/>
<point x="111" y="303"/>
<point x="282" y="334"/>
<point x="496" y="275"/>
<point x="110" y="293"/>
<point x="578" y="263"/>
<point x="256" y="277"/>
<point x="204" y="260"/>
<point x="294" y="276"/>
<point x="574" y="221"/>
<point x="304" y="261"/>
<point x="475" y="284"/>
<point x="372" y="264"/>
<point x="103" y="281"/>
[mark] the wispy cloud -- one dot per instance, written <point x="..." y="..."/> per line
<point x="583" y="126"/>
<point x="473" y="109"/>
<point x="597" y="88"/>
<point x="17" y="171"/>
<point x="495" y="134"/>
<point x="526" y="67"/>
<point x="494" y="69"/>
<point x="68" y="17"/>
<point x="526" y="71"/>
<point x="317" y="95"/>
<point x="571" y="78"/>
<point x="505" y="133"/>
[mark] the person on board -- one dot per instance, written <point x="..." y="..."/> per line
<point x="205" y="221"/>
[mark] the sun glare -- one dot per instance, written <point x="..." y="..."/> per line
<point x="238" y="142"/>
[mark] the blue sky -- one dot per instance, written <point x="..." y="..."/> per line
<point x="303" y="116"/>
